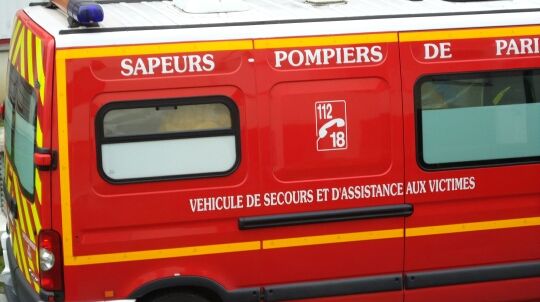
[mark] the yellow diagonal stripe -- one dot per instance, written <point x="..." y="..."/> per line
<point x="39" y="134"/>
<point x="37" y="181"/>
<point x="14" y="37"/>
<point x="30" y="56"/>
<point x="22" y="54"/>
<point x="17" y="48"/>
<point x="333" y="238"/>
<point x="15" y="246"/>
<point x="8" y="185"/>
<point x="17" y="193"/>
<point x="30" y="228"/>
<point x="22" y="253"/>
<point x="40" y="70"/>
<point x="469" y="34"/>
<point x="472" y="226"/>
<point x="165" y="253"/>
<point x="30" y="264"/>
<point x="35" y="214"/>
<point x="326" y="41"/>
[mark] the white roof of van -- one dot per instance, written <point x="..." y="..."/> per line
<point x="137" y="22"/>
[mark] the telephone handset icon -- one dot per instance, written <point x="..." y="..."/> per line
<point x="339" y="122"/>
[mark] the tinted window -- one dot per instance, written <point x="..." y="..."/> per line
<point x="475" y="119"/>
<point x="154" y="140"/>
<point x="20" y="128"/>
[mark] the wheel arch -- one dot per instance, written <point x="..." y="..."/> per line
<point x="199" y="283"/>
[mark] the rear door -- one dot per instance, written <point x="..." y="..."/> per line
<point x="331" y="167"/>
<point x="27" y="131"/>
<point x="472" y="142"/>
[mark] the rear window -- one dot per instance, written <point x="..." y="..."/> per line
<point x="168" y="139"/>
<point x="20" y="131"/>
<point x="478" y="119"/>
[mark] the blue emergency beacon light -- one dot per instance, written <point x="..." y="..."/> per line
<point x="82" y="12"/>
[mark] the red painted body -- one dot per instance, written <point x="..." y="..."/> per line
<point x="504" y="192"/>
<point x="278" y="153"/>
<point x="273" y="160"/>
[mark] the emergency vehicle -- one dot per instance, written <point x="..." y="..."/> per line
<point x="257" y="150"/>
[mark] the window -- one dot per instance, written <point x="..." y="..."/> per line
<point x="478" y="119"/>
<point x="168" y="139"/>
<point x="20" y="130"/>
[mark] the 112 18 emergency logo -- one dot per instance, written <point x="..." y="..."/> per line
<point x="331" y="125"/>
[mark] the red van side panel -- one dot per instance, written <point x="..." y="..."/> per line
<point x="150" y="230"/>
<point x="491" y="222"/>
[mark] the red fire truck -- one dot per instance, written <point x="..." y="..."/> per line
<point x="250" y="151"/>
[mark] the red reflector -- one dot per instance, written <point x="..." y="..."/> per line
<point x="2" y="110"/>
<point x="42" y="160"/>
<point x="51" y="279"/>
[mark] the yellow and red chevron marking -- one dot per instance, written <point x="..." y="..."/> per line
<point x="25" y="228"/>
<point x="26" y="56"/>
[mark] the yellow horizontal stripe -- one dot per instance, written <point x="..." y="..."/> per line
<point x="301" y="241"/>
<point x="166" y="253"/>
<point x="326" y="41"/>
<point x="333" y="238"/>
<point x="118" y="51"/>
<point x="472" y="226"/>
<point x="469" y="34"/>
